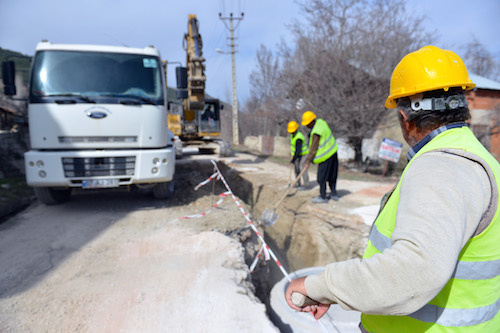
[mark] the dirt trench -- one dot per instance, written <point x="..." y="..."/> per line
<point x="69" y="261"/>
<point x="108" y="261"/>
<point x="305" y="234"/>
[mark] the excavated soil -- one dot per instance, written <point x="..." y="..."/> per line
<point x="118" y="261"/>
<point x="307" y="234"/>
<point x="109" y="261"/>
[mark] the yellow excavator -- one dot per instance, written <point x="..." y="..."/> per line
<point x="193" y="118"/>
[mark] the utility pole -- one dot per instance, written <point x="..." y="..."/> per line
<point x="231" y="27"/>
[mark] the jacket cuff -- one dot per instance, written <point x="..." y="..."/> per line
<point x="316" y="288"/>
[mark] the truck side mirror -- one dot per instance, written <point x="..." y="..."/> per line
<point x="221" y="107"/>
<point x="181" y="76"/>
<point x="9" y="78"/>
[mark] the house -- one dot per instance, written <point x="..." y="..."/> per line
<point x="484" y="105"/>
<point x="8" y="115"/>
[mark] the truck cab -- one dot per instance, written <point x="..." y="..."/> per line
<point x="97" y="119"/>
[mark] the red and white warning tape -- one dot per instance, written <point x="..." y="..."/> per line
<point x="213" y="176"/>
<point x="265" y="248"/>
<point x="266" y="257"/>
<point x="252" y="225"/>
<point x="218" y="203"/>
<point x="264" y="244"/>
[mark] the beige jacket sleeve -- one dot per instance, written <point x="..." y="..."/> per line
<point x="442" y="200"/>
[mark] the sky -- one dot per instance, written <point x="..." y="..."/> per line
<point x="163" y="23"/>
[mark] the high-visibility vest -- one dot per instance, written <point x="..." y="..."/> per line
<point x="293" y="142"/>
<point x="327" y="144"/>
<point x="470" y="301"/>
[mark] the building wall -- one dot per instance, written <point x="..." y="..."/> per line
<point x="485" y="115"/>
<point x="483" y="99"/>
<point x="280" y="146"/>
<point x="485" y="118"/>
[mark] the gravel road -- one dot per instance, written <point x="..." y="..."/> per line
<point x="118" y="262"/>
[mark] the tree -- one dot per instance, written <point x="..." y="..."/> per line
<point x="267" y="103"/>
<point x="341" y="61"/>
<point x="480" y="61"/>
<point x="346" y="56"/>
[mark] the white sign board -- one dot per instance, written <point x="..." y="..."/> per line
<point x="390" y="150"/>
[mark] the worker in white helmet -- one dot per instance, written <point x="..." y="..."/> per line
<point x="432" y="263"/>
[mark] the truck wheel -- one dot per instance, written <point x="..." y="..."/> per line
<point x="163" y="190"/>
<point x="52" y="196"/>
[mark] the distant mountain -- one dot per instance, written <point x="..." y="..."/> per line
<point x="23" y="62"/>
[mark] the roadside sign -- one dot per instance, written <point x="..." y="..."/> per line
<point x="390" y="150"/>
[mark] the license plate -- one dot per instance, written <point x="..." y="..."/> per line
<point x="100" y="183"/>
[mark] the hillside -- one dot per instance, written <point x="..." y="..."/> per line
<point x="22" y="61"/>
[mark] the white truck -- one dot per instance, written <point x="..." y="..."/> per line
<point x="97" y="118"/>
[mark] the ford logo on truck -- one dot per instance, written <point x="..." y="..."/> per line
<point x="97" y="112"/>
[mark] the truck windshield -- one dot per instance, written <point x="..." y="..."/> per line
<point x="112" y="76"/>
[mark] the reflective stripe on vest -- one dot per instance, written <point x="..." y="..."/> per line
<point x="470" y="301"/>
<point x="465" y="270"/>
<point x="456" y="317"/>
<point x="293" y="142"/>
<point x="327" y="144"/>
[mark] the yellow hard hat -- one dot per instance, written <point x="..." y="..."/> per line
<point x="292" y="126"/>
<point x="427" y="69"/>
<point x="307" y="117"/>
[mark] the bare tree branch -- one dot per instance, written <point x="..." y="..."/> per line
<point x="339" y="64"/>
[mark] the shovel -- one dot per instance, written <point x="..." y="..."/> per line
<point x="269" y="216"/>
<point x="290" y="176"/>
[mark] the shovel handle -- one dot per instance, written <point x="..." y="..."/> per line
<point x="290" y="188"/>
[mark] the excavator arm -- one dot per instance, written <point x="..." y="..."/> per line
<point x="194" y="118"/>
<point x="195" y="66"/>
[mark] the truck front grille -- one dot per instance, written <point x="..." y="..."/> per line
<point x="98" y="166"/>
<point x="96" y="139"/>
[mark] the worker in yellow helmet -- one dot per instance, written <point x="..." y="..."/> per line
<point x="322" y="151"/>
<point x="432" y="262"/>
<point x="298" y="149"/>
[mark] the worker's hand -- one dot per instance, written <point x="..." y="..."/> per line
<point x="306" y="165"/>
<point x="298" y="286"/>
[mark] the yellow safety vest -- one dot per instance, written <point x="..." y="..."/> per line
<point x="327" y="144"/>
<point x="470" y="301"/>
<point x="293" y="142"/>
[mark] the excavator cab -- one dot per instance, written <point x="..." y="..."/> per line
<point x="209" y="119"/>
<point x="187" y="123"/>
